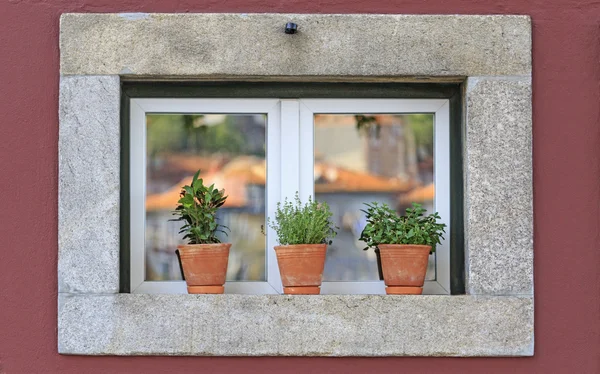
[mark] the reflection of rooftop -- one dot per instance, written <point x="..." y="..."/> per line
<point x="191" y="163"/>
<point x="233" y="177"/>
<point x="349" y="120"/>
<point x="330" y="179"/>
<point x="243" y="171"/>
<point x="419" y="195"/>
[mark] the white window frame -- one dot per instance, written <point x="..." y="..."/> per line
<point x="290" y="136"/>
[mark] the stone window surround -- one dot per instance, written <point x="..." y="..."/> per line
<point x="491" y="54"/>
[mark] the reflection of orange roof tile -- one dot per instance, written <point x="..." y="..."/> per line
<point x="168" y="200"/>
<point x="249" y="170"/>
<point x="234" y="178"/>
<point x="191" y="163"/>
<point x="348" y="120"/>
<point x="419" y="195"/>
<point x="336" y="179"/>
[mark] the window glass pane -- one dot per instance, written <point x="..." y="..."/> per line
<point x="366" y="158"/>
<point x="230" y="152"/>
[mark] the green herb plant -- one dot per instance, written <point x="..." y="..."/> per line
<point x="296" y="223"/>
<point x="385" y="226"/>
<point x="197" y="207"/>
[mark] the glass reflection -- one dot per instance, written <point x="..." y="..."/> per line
<point x="365" y="158"/>
<point x="230" y="152"/>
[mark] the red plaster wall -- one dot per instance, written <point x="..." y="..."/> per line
<point x="566" y="79"/>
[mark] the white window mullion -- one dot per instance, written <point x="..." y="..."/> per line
<point x="307" y="158"/>
<point x="283" y="177"/>
<point x="290" y="148"/>
<point x="273" y="189"/>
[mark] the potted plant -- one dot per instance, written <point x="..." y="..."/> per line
<point x="404" y="243"/>
<point x="303" y="233"/>
<point x="204" y="259"/>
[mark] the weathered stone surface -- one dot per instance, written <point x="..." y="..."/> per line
<point x="498" y="187"/>
<point x="273" y="325"/>
<point x="94" y="320"/>
<point x="88" y="190"/>
<point x="213" y="45"/>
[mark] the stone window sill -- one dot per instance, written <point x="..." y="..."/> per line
<point x="278" y="325"/>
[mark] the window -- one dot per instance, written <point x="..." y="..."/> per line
<point x="342" y="151"/>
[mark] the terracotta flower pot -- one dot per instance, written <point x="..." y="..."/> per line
<point x="301" y="267"/>
<point x="404" y="268"/>
<point x="204" y="266"/>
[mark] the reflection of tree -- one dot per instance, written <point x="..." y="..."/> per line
<point x="223" y="137"/>
<point x="366" y="123"/>
<point x="161" y="134"/>
<point x="196" y="134"/>
<point x="421" y="126"/>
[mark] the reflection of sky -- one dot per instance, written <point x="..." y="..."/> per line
<point x="359" y="225"/>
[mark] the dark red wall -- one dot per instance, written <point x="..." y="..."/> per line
<point x="566" y="82"/>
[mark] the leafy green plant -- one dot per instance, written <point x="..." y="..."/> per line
<point x="197" y="207"/>
<point x="385" y="226"/>
<point x="303" y="224"/>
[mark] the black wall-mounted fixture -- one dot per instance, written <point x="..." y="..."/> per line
<point x="291" y="28"/>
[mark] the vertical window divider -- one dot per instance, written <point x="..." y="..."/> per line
<point x="275" y="160"/>
<point x="307" y="150"/>
<point x="290" y="148"/>
<point x="284" y="162"/>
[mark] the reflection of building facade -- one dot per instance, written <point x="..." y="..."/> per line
<point x="391" y="149"/>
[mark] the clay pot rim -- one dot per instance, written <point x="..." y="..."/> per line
<point x="192" y="246"/>
<point x="391" y="246"/>
<point x="295" y="246"/>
